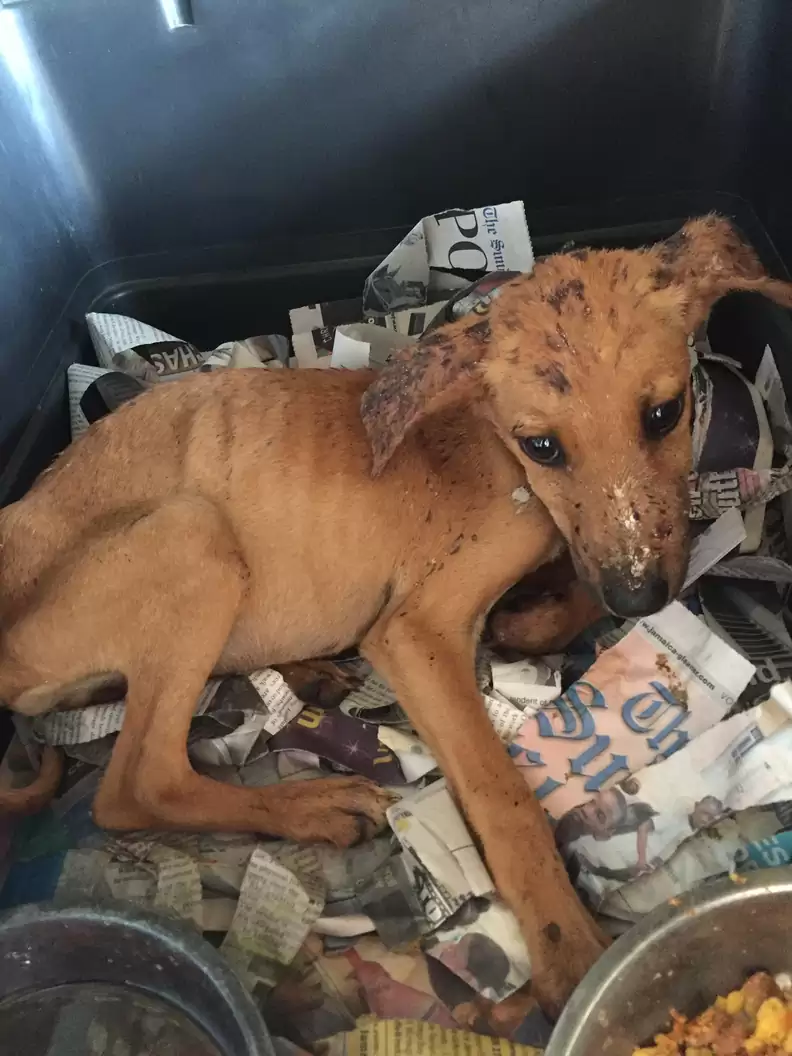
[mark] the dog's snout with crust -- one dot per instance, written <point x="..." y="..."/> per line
<point x="630" y="541"/>
<point x="625" y="596"/>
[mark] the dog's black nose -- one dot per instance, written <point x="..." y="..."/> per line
<point x="626" y="598"/>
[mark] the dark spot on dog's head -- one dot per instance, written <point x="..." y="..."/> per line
<point x="620" y="274"/>
<point x="580" y="254"/>
<point x="568" y="288"/>
<point x="613" y="316"/>
<point x="555" y="377"/>
<point x="662" y="277"/>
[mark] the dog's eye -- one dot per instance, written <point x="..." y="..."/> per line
<point x="659" y="420"/>
<point x="545" y="450"/>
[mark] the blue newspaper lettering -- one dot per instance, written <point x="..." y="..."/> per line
<point x="641" y="721"/>
<point x="575" y="715"/>
<point x="547" y="786"/>
<point x="595" y="781"/>
<point x="681" y="737"/>
<point x="532" y="758"/>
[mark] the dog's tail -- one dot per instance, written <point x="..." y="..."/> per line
<point x="42" y="789"/>
<point x="101" y="688"/>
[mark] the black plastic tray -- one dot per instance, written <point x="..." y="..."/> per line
<point x="226" y="292"/>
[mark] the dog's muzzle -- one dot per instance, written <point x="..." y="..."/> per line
<point x="628" y="598"/>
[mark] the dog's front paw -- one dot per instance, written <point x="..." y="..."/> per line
<point x="343" y="811"/>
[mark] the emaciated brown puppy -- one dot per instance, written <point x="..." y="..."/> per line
<point x="233" y="521"/>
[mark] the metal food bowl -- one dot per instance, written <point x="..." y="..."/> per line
<point x="77" y="979"/>
<point x="682" y="956"/>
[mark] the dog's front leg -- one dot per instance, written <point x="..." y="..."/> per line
<point x="429" y="663"/>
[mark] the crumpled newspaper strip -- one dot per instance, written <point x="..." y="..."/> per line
<point x="414" y="757"/>
<point x="754" y="567"/>
<point x="374" y="695"/>
<point x="279" y="705"/>
<point x="750" y="617"/>
<point x="454" y="886"/>
<point x="711" y="494"/>
<point x="410" y="287"/>
<point x="127" y="344"/>
<point x="721" y="537"/>
<point x="146" y="356"/>
<point x="506" y="718"/>
<point x="429" y="826"/>
<point x="167" y="880"/>
<point x="408" y="1037"/>
<point x="280" y="899"/>
<point x="178" y="883"/>
<point x="490" y="238"/>
<point x="515" y="690"/>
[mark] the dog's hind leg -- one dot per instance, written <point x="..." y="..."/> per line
<point x="545" y="624"/>
<point x="156" y="600"/>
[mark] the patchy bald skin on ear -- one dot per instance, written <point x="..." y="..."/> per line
<point x="422" y="380"/>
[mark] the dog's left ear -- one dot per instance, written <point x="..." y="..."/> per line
<point x="442" y="369"/>
<point x="707" y="259"/>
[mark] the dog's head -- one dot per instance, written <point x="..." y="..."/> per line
<point x="583" y="369"/>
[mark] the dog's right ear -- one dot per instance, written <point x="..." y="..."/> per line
<point x="440" y="370"/>
<point x="707" y="259"/>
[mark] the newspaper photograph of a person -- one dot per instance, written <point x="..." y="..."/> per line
<point x="634" y="827"/>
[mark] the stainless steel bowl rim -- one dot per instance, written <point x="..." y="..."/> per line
<point x="660" y="923"/>
<point x="174" y="939"/>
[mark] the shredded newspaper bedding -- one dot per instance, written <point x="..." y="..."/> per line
<point x="657" y="748"/>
